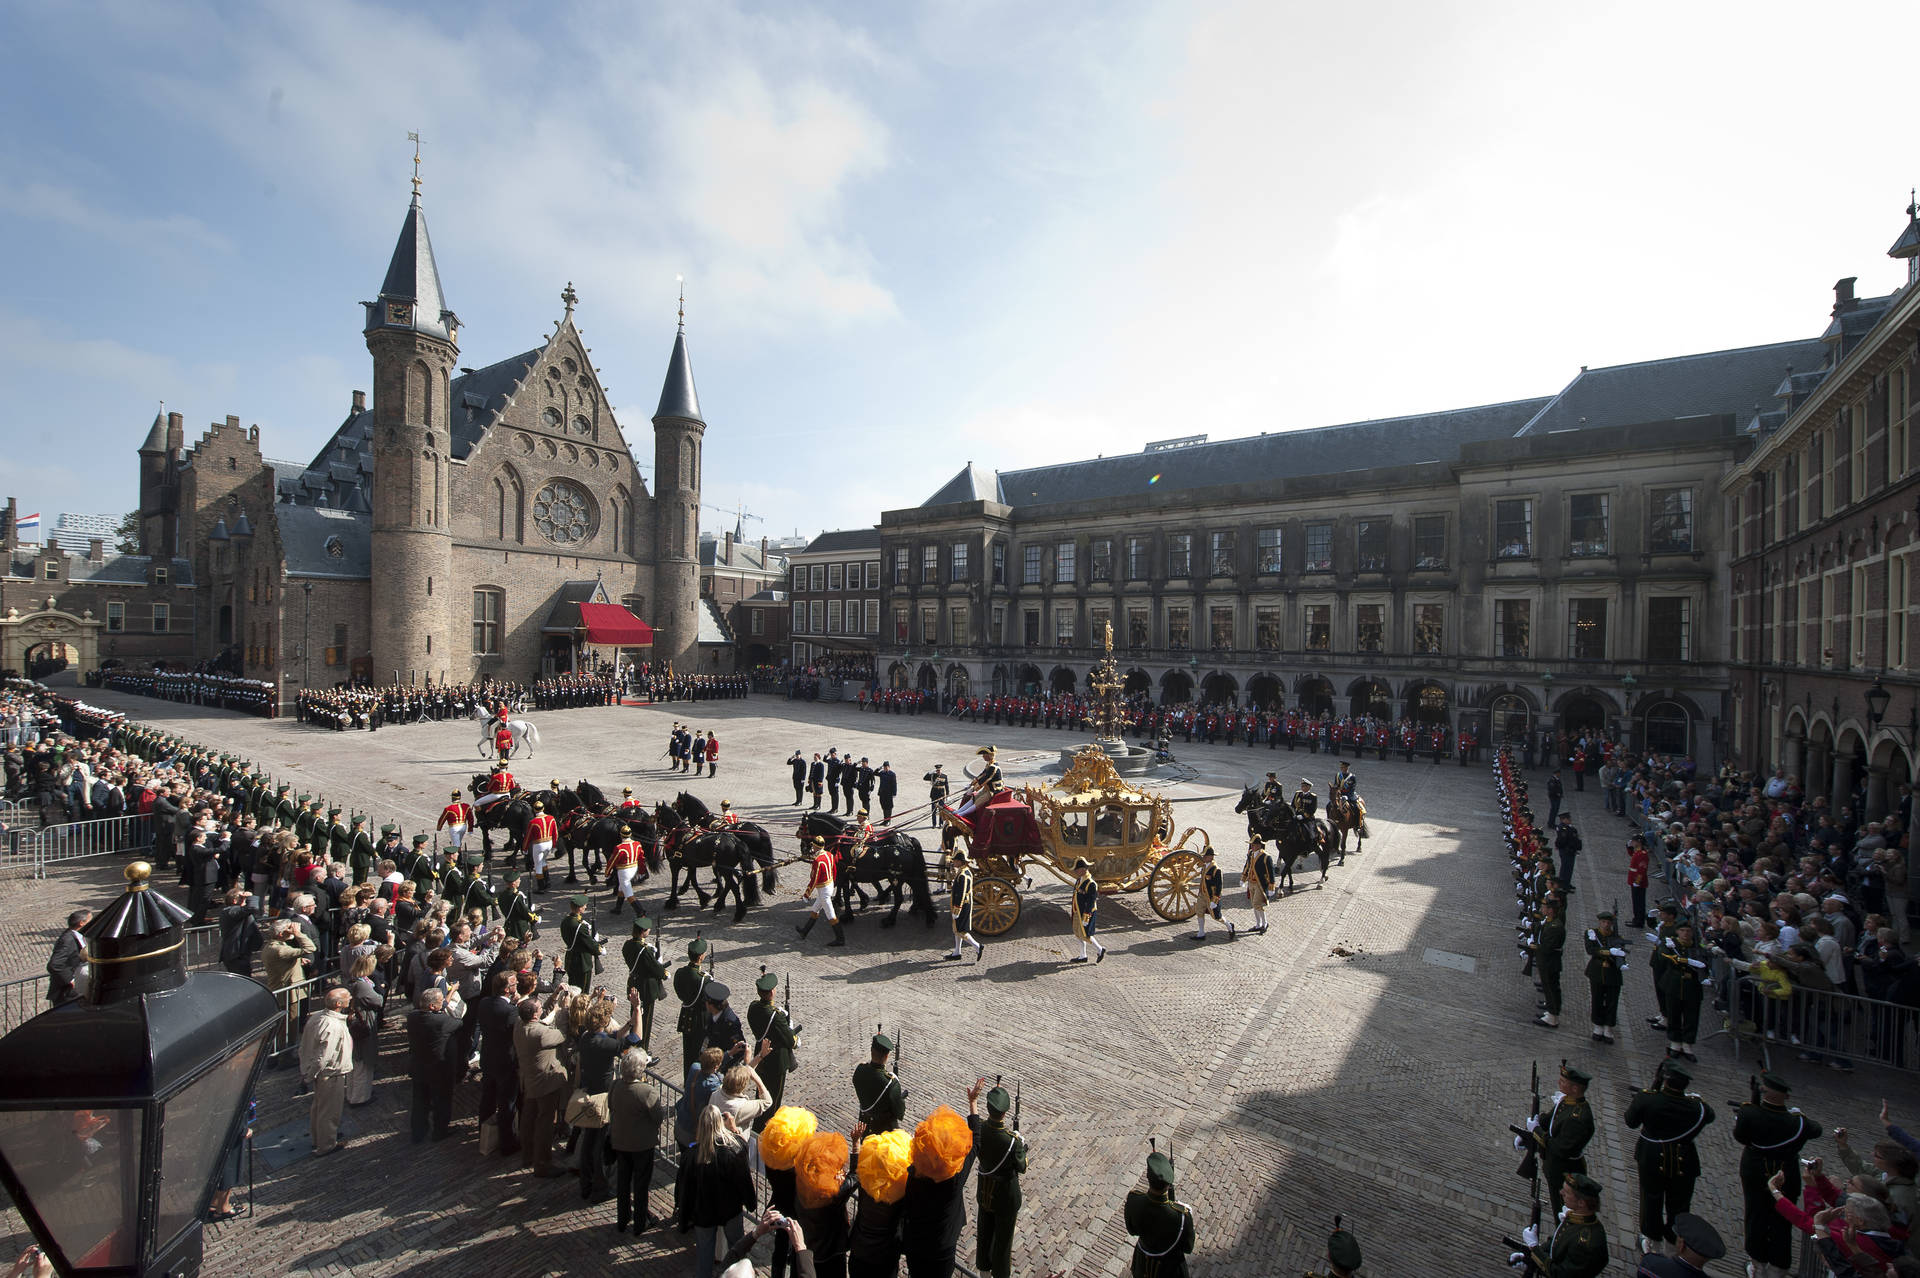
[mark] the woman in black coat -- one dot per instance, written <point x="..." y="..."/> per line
<point x="719" y="1187"/>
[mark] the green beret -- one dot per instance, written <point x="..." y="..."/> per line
<point x="306" y="798"/>
<point x="767" y="981"/>
<point x="389" y="828"/>
<point x="1160" y="1168"/>
<point x="1574" y="1074"/>
<point x="1677" y="1072"/>
<point x="577" y="901"/>
<point x="881" y="1043"/>
<point x="333" y="812"/>
<point x="998" y="1102"/>
<point x="1774" y="1083"/>
<point x="1585" y="1186"/>
<point x="1607" y="915"/>
<point x="696" y="947"/>
<point x="360" y="820"/>
<point x="1343" y="1250"/>
<point x="639" y="926"/>
<point x="473" y="858"/>
<point x="418" y="839"/>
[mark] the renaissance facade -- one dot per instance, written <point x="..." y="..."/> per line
<point x="1551" y="563"/>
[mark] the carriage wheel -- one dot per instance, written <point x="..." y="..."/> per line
<point x="996" y="907"/>
<point x="1174" y="890"/>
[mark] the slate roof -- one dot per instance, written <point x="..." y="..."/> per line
<point x="713" y="627"/>
<point x="1855" y="322"/>
<point x="1326" y="450"/>
<point x="157" y="437"/>
<point x="476" y="399"/>
<point x="746" y="556"/>
<point x="973" y="483"/>
<point x="1731" y="381"/>
<point x="115" y="570"/>
<point x="309" y="534"/>
<point x="563" y="618"/>
<point x="677" y="395"/>
<point x="413" y="277"/>
<point x="341" y="472"/>
<point x="844" y="539"/>
<point x="766" y="597"/>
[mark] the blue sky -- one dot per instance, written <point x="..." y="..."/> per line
<point x="916" y="235"/>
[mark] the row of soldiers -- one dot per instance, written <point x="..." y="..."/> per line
<point x="1162" y="1226"/>
<point x="374" y="707"/>
<point x="1668" y="1117"/>
<point x="195" y="687"/>
<point x="896" y="701"/>
<point x="668" y="686"/>
<point x="575" y="691"/>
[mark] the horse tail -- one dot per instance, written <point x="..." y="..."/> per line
<point x="915" y="873"/>
<point x="533" y="733"/>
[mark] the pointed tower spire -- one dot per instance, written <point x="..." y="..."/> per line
<point x="1908" y="245"/>
<point x="157" y="437"/>
<point x="678" y="397"/>
<point x="410" y="296"/>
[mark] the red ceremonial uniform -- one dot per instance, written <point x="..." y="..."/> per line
<point x="713" y="749"/>
<point x="503" y="739"/>
<point x="627" y="855"/>
<point x="822" y="872"/>
<point x="456" y="814"/>
<point x="543" y="829"/>
<point x="502" y="783"/>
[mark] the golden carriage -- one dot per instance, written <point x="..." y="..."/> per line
<point x="1123" y="832"/>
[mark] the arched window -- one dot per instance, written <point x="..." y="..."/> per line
<point x="500" y="507"/>
<point x="1508" y="717"/>
<point x="1668" y="727"/>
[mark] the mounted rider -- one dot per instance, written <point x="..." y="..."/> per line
<point x="1306" y="804"/>
<point x="500" y="784"/>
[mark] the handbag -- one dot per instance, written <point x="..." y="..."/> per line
<point x="490" y="1137"/>
<point x="586" y="1109"/>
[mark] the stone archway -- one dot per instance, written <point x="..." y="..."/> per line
<point x="50" y="626"/>
<point x="1266" y="692"/>
<point x="1220" y="688"/>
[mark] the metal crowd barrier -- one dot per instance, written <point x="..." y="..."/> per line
<point x="76" y="839"/>
<point x="21" y="1001"/>
<point x="1832" y="1026"/>
<point x="294" y="1001"/>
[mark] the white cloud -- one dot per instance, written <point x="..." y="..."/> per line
<point x="62" y="206"/>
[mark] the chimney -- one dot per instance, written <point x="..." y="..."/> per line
<point x="1843" y="294"/>
<point x="727" y="557"/>
<point x="176" y="432"/>
<point x="97" y="550"/>
<point x="359" y="401"/>
<point x="763" y="550"/>
<point x="233" y="421"/>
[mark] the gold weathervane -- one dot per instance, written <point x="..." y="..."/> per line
<point x="415" y="139"/>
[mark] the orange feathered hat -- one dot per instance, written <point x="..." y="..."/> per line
<point x="821" y="1168"/>
<point x="885" y="1159"/>
<point x="941" y="1144"/>
<point x="786" y="1134"/>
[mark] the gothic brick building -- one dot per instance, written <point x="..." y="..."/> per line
<point x="449" y="529"/>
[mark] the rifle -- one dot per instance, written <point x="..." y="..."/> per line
<point x="1529" y="1168"/>
<point x="1514" y="1244"/>
<point x="1753" y="1093"/>
<point x="1016" y="1104"/>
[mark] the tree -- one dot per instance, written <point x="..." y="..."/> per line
<point x="127" y="535"/>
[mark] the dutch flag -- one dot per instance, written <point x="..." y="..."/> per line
<point x="27" y="527"/>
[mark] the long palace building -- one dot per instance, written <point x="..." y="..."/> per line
<point x="1557" y="563"/>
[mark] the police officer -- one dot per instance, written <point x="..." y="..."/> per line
<point x="882" y="1101"/>
<point x="1670" y="1119"/>
<point x="1002" y="1158"/>
<point x="1162" y="1227"/>
<point x="1770" y="1135"/>
<point x="798" y="763"/>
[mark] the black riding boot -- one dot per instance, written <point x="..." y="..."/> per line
<point x="807" y="927"/>
<point x="839" y="935"/>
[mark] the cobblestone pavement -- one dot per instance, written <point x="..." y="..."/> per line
<point x="1364" y="1057"/>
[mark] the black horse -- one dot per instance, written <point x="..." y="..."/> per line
<point x="595" y="834"/>
<point x="690" y="849"/>
<point x="1291" y="837"/>
<point x="890" y="860"/>
<point x="754" y="838"/>
<point x="509" y="814"/>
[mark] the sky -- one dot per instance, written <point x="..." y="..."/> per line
<point x="916" y="235"/>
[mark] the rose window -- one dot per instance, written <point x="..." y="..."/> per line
<point x="561" y="512"/>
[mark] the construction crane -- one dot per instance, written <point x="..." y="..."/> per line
<point x="740" y="515"/>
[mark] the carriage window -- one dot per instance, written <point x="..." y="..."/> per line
<point x="1073" y="831"/>
<point x="1109" y="826"/>
<point x="1139" y="826"/>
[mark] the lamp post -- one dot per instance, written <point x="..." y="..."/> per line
<point x="306" y="632"/>
<point x="116" y="1109"/>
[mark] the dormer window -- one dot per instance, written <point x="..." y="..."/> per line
<point x="159" y="576"/>
<point x="399" y="313"/>
<point x="53" y="570"/>
<point x="336" y="549"/>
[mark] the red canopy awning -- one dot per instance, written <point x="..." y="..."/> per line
<point x="613" y="625"/>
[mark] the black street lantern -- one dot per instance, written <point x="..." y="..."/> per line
<point x="1877" y="699"/>
<point x="115" y="1109"/>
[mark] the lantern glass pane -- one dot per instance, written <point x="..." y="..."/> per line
<point x="81" y="1170"/>
<point x="193" y="1138"/>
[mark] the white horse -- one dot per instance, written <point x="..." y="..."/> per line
<point x="525" y="736"/>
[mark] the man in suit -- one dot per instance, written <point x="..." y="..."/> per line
<point x="863" y="782"/>
<point x="69" y="956"/>
<point x="499" y="1069"/>
<point x="799" y="765"/>
<point x="816" y="780"/>
<point x="889" y="787"/>
<point x="433" y="1060"/>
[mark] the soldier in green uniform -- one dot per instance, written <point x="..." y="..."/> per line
<point x="1002" y="1160"/>
<point x="1163" y="1227"/>
<point x="1549" y="943"/>
<point x="1606" y="961"/>
<point x="1670" y="1119"/>
<point x="517" y="916"/>
<point x="479" y="894"/>
<point x="360" y="857"/>
<point x="1669" y="918"/>
<point x="774" y="1034"/>
<point x="883" y="1102"/>
<point x="1343" y="1255"/>
<point x="285" y="814"/>
<point x="421" y="869"/>
<point x="1770" y="1135"/>
<point x="1579" y="1248"/>
<point x="263" y="803"/>
<point x="648" y="974"/>
<point x="1559" y="1137"/>
<point x="689" y="986"/>
<point x="339" y="837"/>
<point x="453" y="883"/>
<point x="582" y="943"/>
<point x="303" y="821"/>
<point x="1683" y="967"/>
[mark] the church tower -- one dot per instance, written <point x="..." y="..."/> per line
<point x="677" y="432"/>
<point x="412" y="337"/>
